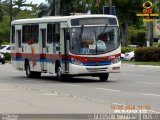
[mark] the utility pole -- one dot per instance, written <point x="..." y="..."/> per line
<point x="1" y="12"/>
<point x="57" y="7"/>
<point x="148" y="34"/>
<point x="11" y="14"/>
<point x="110" y="7"/>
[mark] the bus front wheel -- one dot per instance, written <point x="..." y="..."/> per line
<point x="104" y="77"/>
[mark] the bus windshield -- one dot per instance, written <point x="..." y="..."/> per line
<point x="94" y="40"/>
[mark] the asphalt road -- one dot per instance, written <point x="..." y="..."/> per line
<point x="135" y="86"/>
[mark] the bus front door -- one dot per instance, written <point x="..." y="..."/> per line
<point x="19" y="48"/>
<point x="44" y="50"/>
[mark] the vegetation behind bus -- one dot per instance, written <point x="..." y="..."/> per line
<point x="74" y="6"/>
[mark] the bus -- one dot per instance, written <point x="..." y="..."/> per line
<point x="66" y="46"/>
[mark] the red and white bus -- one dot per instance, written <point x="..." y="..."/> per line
<point x="78" y="45"/>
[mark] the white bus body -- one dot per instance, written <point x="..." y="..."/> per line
<point x="67" y="46"/>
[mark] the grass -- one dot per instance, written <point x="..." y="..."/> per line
<point x="141" y="63"/>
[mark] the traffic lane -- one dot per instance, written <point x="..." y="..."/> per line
<point x="123" y="84"/>
<point x="21" y="100"/>
<point x="76" y="88"/>
<point x="146" y="72"/>
<point x="22" y="95"/>
<point x="104" y="95"/>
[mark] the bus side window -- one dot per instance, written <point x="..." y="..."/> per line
<point x="35" y="33"/>
<point x="56" y="38"/>
<point x="50" y="33"/>
<point x="13" y="34"/>
<point x="26" y="33"/>
<point x="53" y="33"/>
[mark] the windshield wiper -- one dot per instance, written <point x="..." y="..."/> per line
<point x="82" y="26"/>
<point x="106" y="25"/>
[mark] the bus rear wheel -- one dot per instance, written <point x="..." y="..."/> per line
<point x="104" y="77"/>
<point x="3" y="62"/>
<point x="31" y="74"/>
<point x="60" y="76"/>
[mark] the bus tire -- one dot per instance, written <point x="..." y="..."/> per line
<point x="132" y="59"/>
<point x="37" y="74"/>
<point x="3" y="62"/>
<point x="104" y="77"/>
<point x="60" y="76"/>
<point x="29" y="74"/>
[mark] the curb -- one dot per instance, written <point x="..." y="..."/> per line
<point x="147" y="66"/>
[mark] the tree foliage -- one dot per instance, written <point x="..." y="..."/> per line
<point x="20" y="10"/>
<point x="1" y="12"/>
<point x="73" y="6"/>
<point x="126" y="11"/>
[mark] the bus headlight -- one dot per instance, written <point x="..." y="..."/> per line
<point x="76" y="62"/>
<point x="116" y="60"/>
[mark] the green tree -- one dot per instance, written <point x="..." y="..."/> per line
<point x="96" y="6"/>
<point x="29" y="11"/>
<point x="56" y="7"/>
<point x="1" y="12"/>
<point x="43" y="10"/>
<point x="126" y="11"/>
<point x="5" y="29"/>
<point x="46" y="9"/>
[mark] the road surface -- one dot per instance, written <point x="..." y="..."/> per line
<point x="136" y="86"/>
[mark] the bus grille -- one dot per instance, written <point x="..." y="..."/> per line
<point x="97" y="69"/>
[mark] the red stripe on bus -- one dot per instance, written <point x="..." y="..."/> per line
<point x="57" y="56"/>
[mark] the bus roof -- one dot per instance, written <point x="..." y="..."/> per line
<point x="56" y="19"/>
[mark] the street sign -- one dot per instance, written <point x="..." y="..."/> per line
<point x="106" y="10"/>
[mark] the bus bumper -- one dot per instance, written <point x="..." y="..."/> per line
<point x="91" y="70"/>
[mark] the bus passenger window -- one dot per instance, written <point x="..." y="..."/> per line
<point x="13" y="34"/>
<point x="35" y="33"/>
<point x="53" y="33"/>
<point x="56" y="38"/>
<point x="26" y="33"/>
<point x="50" y="33"/>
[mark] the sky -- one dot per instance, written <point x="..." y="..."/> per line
<point x="36" y="1"/>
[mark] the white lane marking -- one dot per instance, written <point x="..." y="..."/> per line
<point x="133" y="75"/>
<point x="13" y="71"/>
<point x="154" y="111"/>
<point x="155" y="95"/>
<point x="42" y="90"/>
<point x="118" y="104"/>
<point x="146" y="66"/>
<point x="50" y="94"/>
<point x="6" y="89"/>
<point x="65" y="94"/>
<point x="113" y="90"/>
<point x="72" y="85"/>
<point x="149" y="83"/>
